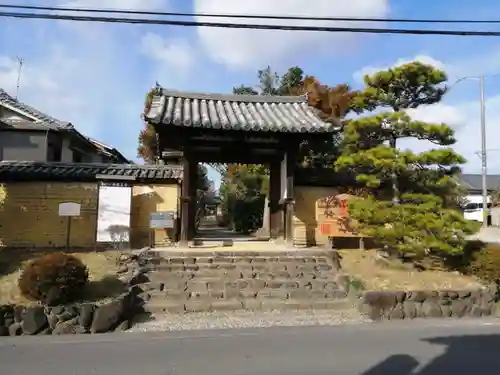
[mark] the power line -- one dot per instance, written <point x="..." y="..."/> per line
<point x="331" y="29"/>
<point x="248" y="16"/>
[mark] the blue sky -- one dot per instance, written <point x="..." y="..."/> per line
<point x="97" y="75"/>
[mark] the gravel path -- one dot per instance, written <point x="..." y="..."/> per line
<point x="247" y="319"/>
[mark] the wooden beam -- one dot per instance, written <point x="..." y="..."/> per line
<point x="229" y="158"/>
<point x="176" y="137"/>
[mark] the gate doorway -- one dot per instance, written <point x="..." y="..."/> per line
<point x="197" y="128"/>
<point x="241" y="214"/>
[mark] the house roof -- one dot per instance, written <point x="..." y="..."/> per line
<point x="289" y="114"/>
<point x="108" y="150"/>
<point x="37" y="171"/>
<point x="44" y="122"/>
<point x="18" y="124"/>
<point x="475" y="181"/>
<point x="42" y="119"/>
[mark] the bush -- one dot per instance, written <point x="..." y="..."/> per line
<point x="248" y="214"/>
<point x="55" y="278"/>
<point x="485" y="264"/>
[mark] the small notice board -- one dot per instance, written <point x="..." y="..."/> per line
<point x="162" y="220"/>
<point x="69" y="209"/>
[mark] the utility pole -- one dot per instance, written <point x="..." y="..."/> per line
<point x="20" y="61"/>
<point x="484" y="166"/>
<point x="484" y="151"/>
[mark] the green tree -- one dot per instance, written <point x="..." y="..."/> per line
<point x="243" y="190"/>
<point x="423" y="186"/>
<point x="332" y="103"/>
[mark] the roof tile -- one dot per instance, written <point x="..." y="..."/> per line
<point x="236" y="112"/>
<point x="28" y="170"/>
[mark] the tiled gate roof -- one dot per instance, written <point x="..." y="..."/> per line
<point x="289" y="114"/>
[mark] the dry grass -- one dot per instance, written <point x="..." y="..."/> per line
<point x="382" y="275"/>
<point x="102" y="274"/>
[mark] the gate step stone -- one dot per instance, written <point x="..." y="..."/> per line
<point x="179" y="283"/>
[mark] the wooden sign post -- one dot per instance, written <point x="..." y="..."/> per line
<point x="68" y="210"/>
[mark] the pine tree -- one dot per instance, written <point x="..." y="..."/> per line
<point x="421" y="218"/>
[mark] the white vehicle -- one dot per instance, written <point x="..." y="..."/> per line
<point x="473" y="210"/>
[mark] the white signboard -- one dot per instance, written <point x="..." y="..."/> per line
<point x="69" y="209"/>
<point x="113" y="214"/>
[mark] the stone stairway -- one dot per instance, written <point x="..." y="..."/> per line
<point x="205" y="281"/>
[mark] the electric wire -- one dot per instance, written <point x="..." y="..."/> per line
<point x="333" y="29"/>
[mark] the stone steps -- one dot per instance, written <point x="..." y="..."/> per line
<point x="170" y="278"/>
<point x="266" y="293"/>
<point x="241" y="266"/>
<point x="242" y="284"/>
<point x="234" y="281"/>
<point x="264" y="264"/>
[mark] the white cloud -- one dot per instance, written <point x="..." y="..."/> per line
<point x="83" y="27"/>
<point x="465" y="119"/>
<point x="169" y="53"/>
<point x="248" y="48"/>
<point x="40" y="84"/>
<point x="474" y="65"/>
<point x="117" y="4"/>
<point x="454" y="116"/>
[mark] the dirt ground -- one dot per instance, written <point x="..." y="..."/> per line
<point x="376" y="274"/>
<point x="103" y="283"/>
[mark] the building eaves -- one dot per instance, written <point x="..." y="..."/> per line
<point x="14" y="124"/>
<point x="289" y="114"/>
<point x="82" y="172"/>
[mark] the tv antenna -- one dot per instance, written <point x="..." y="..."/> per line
<point x="20" y="62"/>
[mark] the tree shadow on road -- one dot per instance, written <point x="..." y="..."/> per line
<point x="469" y="354"/>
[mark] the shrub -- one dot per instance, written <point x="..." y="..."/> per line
<point x="54" y="279"/>
<point x="248" y="214"/>
<point x="485" y="264"/>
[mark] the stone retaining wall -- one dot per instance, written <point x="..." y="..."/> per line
<point x="428" y="304"/>
<point x="116" y="315"/>
<point x="74" y="319"/>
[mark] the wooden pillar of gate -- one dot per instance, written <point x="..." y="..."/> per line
<point x="193" y="188"/>
<point x="186" y="205"/>
<point x="289" y="199"/>
<point x="275" y="208"/>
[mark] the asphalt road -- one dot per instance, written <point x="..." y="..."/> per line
<point x="422" y="348"/>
